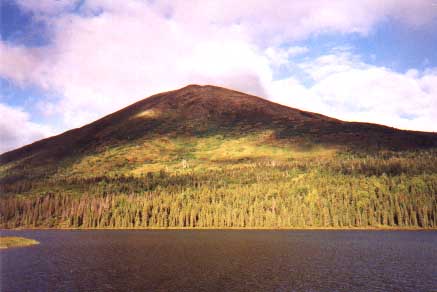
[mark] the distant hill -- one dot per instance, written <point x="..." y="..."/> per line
<point x="204" y="144"/>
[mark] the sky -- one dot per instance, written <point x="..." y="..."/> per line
<point x="66" y="63"/>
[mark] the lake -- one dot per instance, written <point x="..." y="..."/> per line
<point x="221" y="260"/>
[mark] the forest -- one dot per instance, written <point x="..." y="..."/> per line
<point x="348" y="189"/>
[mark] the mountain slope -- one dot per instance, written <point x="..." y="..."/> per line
<point x="205" y="156"/>
<point x="207" y="110"/>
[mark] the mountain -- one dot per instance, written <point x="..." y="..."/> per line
<point x="208" y="110"/>
<point x="200" y="146"/>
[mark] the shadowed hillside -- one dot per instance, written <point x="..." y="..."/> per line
<point x="205" y="156"/>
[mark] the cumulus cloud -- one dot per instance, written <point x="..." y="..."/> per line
<point x="281" y="56"/>
<point x="349" y="89"/>
<point x="277" y="20"/>
<point x="18" y="63"/>
<point x="104" y="55"/>
<point x="17" y="130"/>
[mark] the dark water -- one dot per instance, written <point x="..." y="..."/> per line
<point x="222" y="261"/>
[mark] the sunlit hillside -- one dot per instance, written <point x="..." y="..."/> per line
<point x="205" y="156"/>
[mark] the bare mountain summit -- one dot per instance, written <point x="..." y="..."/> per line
<point x="199" y="111"/>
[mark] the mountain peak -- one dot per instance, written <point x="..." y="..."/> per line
<point x="193" y="86"/>
<point x="197" y="88"/>
<point x="202" y="110"/>
<point x="208" y="104"/>
<point x="207" y="91"/>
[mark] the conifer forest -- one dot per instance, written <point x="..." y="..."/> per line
<point x="347" y="190"/>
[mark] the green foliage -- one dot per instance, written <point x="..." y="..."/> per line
<point x="397" y="189"/>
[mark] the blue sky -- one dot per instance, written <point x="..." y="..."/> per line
<point x="66" y="63"/>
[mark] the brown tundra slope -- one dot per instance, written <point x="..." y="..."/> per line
<point x="200" y="111"/>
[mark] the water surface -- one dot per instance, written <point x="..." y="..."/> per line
<point x="213" y="260"/>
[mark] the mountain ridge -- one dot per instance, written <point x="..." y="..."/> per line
<point x="198" y="108"/>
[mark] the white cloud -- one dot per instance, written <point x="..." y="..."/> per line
<point x="281" y="56"/>
<point x="18" y="63"/>
<point x="346" y="88"/>
<point x="17" y="130"/>
<point x="276" y="20"/>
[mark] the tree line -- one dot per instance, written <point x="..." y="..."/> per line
<point x="347" y="191"/>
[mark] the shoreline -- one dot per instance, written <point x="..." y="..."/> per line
<point x="233" y="228"/>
